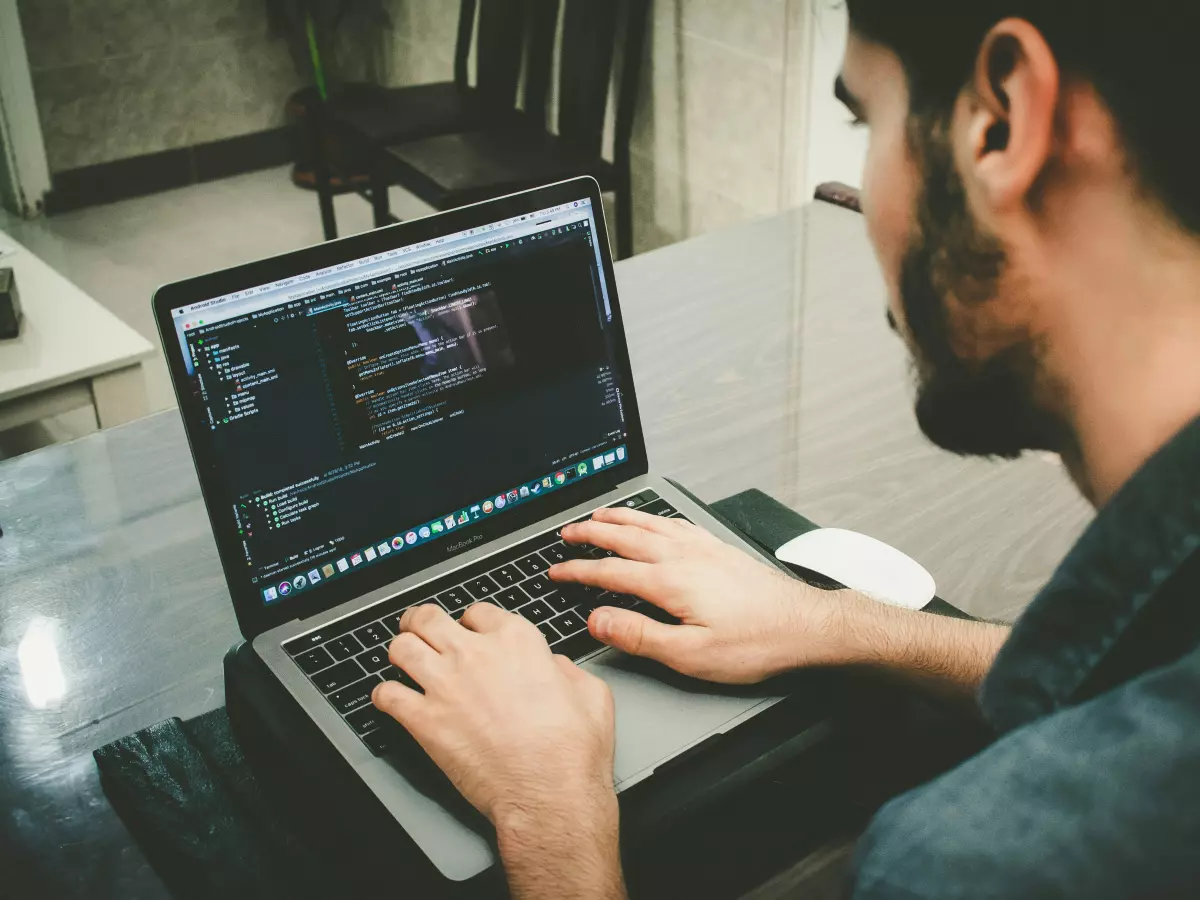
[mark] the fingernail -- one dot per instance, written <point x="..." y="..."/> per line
<point x="601" y="622"/>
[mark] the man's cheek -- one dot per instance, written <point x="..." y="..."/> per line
<point x="889" y="240"/>
<point x="888" y="184"/>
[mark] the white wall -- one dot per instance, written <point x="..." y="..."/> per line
<point x="24" y="174"/>
<point x="835" y="150"/>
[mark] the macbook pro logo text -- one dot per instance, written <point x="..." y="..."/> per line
<point x="475" y="538"/>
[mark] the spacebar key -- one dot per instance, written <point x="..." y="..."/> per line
<point x="577" y="645"/>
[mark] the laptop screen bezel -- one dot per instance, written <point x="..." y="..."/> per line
<point x="255" y="617"/>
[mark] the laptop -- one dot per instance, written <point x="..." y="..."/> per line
<point x="410" y="416"/>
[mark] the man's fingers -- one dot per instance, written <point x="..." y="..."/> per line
<point x="484" y="617"/>
<point x="619" y="515"/>
<point x="638" y="635"/>
<point x="630" y="541"/>
<point x="623" y="576"/>
<point x="414" y="656"/>
<point x="433" y="625"/>
<point x="401" y="703"/>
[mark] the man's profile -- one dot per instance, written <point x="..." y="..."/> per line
<point x="1033" y="196"/>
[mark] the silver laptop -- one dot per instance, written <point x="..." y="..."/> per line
<point x="409" y="416"/>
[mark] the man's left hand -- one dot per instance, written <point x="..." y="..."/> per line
<point x="524" y="734"/>
<point x="510" y="723"/>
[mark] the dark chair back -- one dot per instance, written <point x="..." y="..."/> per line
<point x="499" y="49"/>
<point x="594" y="36"/>
<point x="520" y="33"/>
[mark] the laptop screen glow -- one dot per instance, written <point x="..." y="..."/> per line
<point x="382" y="404"/>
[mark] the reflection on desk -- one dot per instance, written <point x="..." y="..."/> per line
<point x="762" y="359"/>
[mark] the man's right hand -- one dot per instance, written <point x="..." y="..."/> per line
<point x="741" y="620"/>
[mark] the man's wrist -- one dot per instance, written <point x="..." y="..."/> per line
<point x="821" y="630"/>
<point x="570" y="841"/>
<point x="952" y="653"/>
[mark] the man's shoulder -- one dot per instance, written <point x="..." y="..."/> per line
<point x="1093" y="800"/>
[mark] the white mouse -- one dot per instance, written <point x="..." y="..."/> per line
<point x="862" y="564"/>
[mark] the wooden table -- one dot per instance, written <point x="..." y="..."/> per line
<point x="72" y="352"/>
<point x="762" y="359"/>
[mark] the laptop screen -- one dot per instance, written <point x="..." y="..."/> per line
<point x="361" y="411"/>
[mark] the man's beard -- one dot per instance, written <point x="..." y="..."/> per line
<point x="967" y="406"/>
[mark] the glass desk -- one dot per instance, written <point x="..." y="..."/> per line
<point x="762" y="359"/>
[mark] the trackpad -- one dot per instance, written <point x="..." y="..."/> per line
<point x="660" y="713"/>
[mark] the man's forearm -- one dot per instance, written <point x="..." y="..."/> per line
<point x="947" y="654"/>
<point x="572" y="852"/>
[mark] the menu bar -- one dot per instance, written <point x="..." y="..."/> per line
<point x="401" y="254"/>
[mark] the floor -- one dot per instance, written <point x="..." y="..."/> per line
<point x="120" y="252"/>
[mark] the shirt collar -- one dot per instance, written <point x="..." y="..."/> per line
<point x="1079" y="620"/>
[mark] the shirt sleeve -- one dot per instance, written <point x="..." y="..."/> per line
<point x="1098" y="800"/>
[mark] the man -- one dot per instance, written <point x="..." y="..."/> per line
<point x="1032" y="193"/>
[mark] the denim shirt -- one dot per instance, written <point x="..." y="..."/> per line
<point x="1092" y="785"/>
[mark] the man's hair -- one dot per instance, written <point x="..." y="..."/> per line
<point x="1142" y="58"/>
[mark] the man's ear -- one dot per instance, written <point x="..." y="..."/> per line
<point x="1011" y="114"/>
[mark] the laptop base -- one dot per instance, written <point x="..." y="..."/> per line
<point x="743" y="770"/>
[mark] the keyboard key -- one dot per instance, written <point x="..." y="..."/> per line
<point x="548" y="632"/>
<point x="599" y="553"/>
<point x="637" y="500"/>
<point x="576" y="594"/>
<point x="458" y="614"/>
<point x="624" y="601"/>
<point x="455" y="598"/>
<point x="537" y="611"/>
<point x="532" y="565"/>
<point x="344" y="647"/>
<point x="575" y="551"/>
<point x="374" y="659"/>
<point x="556" y="553"/>
<point x="512" y="598"/>
<point x="538" y="587"/>
<point x="372" y="635"/>
<point x="506" y="576"/>
<point x="339" y="676"/>
<point x="314" y="660"/>
<point x="482" y="587"/>
<point x="559" y="602"/>
<point x="299" y="645"/>
<point x="391" y="673"/>
<point x="658" y="508"/>
<point x="577" y="646"/>
<point x="568" y="623"/>
<point x="368" y="718"/>
<point x="358" y="694"/>
<point x="388" y="738"/>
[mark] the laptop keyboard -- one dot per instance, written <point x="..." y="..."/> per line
<point x="347" y="658"/>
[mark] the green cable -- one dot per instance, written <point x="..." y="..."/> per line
<point x="318" y="71"/>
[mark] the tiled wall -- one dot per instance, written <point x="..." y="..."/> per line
<point x="709" y="139"/>
<point x="121" y="78"/>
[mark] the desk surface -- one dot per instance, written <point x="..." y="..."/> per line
<point x="66" y="335"/>
<point x="762" y="359"/>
